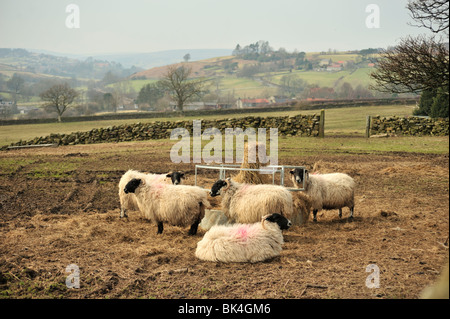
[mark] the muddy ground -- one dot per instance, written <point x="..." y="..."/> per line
<point x="59" y="206"/>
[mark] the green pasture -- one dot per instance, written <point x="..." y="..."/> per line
<point x="339" y="122"/>
<point x="243" y="87"/>
<point x="328" y="79"/>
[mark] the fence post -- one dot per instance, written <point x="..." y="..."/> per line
<point x="368" y="123"/>
<point x="322" y="124"/>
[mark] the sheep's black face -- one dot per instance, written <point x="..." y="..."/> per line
<point x="215" y="189"/>
<point x="176" y="177"/>
<point x="132" y="185"/>
<point x="297" y="174"/>
<point x="282" y="221"/>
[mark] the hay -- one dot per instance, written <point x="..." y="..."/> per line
<point x="251" y="177"/>
<point x="302" y="205"/>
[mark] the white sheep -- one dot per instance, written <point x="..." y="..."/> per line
<point x="247" y="203"/>
<point x="327" y="191"/>
<point x="128" y="201"/>
<point x="244" y="242"/>
<point x="177" y="205"/>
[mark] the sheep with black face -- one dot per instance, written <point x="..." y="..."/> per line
<point x="326" y="191"/>
<point x="128" y="201"/>
<point x="176" y="177"/>
<point x="164" y="203"/>
<point x="247" y="203"/>
<point x="244" y="242"/>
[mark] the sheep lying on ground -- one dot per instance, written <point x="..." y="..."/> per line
<point x="247" y="203"/>
<point x="244" y="242"/>
<point x="327" y="191"/>
<point x="177" y="205"/>
<point x="128" y="201"/>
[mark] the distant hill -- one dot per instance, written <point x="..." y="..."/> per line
<point x="289" y="75"/>
<point x="35" y="64"/>
<point x="160" y="58"/>
<point x="204" y="68"/>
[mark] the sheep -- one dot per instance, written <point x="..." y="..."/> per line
<point x="247" y="203"/>
<point x="177" y="205"/>
<point x="244" y="242"/>
<point x="175" y="177"/>
<point x="327" y="191"/>
<point x="128" y="201"/>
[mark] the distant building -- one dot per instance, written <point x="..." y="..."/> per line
<point x="324" y="62"/>
<point x="5" y="103"/>
<point x="244" y="103"/>
<point x="6" y="107"/>
<point x="27" y="109"/>
<point x="334" y="67"/>
<point x="278" y="99"/>
<point x="195" y="106"/>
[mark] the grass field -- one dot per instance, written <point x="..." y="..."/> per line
<point x="244" y="87"/>
<point x="341" y="121"/>
<point x="328" y="79"/>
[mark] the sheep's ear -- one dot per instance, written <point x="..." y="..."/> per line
<point x="291" y="171"/>
<point x="263" y="220"/>
<point x="169" y="174"/>
<point x="182" y="175"/>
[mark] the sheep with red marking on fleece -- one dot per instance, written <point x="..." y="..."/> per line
<point x="327" y="191"/>
<point x="128" y="201"/>
<point x="179" y="205"/>
<point x="248" y="203"/>
<point x="244" y="242"/>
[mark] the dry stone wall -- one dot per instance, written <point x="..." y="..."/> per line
<point x="412" y="126"/>
<point x="299" y="125"/>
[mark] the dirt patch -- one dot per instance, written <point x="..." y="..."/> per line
<point x="60" y="207"/>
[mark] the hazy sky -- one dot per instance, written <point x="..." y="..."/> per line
<point x="116" y="26"/>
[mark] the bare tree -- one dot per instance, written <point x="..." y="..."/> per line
<point x="431" y="14"/>
<point x="15" y="85"/>
<point x="59" y="97"/>
<point x="179" y="86"/>
<point x="416" y="64"/>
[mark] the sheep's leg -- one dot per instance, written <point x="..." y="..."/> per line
<point x="194" y="227"/>
<point x="160" y="228"/>
<point x="340" y="212"/>
<point x="315" y="215"/>
<point x="351" y="214"/>
<point x="123" y="213"/>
